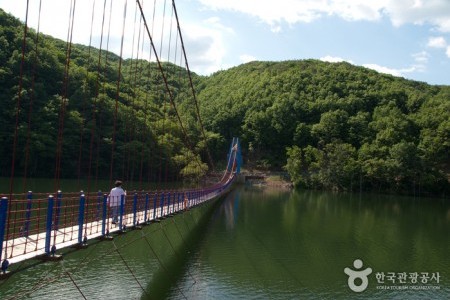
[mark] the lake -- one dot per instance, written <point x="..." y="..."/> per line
<point x="263" y="243"/>
<point x="276" y="244"/>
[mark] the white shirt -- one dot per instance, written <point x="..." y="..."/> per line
<point x="115" y="195"/>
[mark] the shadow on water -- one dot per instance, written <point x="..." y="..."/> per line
<point x="141" y="264"/>
<point x="172" y="269"/>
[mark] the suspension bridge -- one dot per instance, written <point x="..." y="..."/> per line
<point x="145" y="128"/>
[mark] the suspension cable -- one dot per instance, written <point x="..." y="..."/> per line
<point x="130" y="129"/>
<point x="30" y="111"/>
<point x="117" y="93"/>
<point x="63" y="103"/>
<point x="192" y="86"/>
<point x="75" y="284"/>
<point x="95" y="100"/>
<point x="19" y="97"/>
<point x="83" y="123"/>
<point x="64" y="96"/>
<point x="88" y="193"/>
<point x="144" y="122"/>
<point x="103" y="84"/>
<point x="128" y="267"/>
<point x="168" y="91"/>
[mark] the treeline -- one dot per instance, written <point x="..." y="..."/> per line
<point x="334" y="125"/>
<point x="80" y="117"/>
<point x="329" y="125"/>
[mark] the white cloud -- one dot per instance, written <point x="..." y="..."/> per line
<point x="421" y="57"/>
<point x="386" y="70"/>
<point x="376" y="67"/>
<point x="275" y="28"/>
<point x="245" y="58"/>
<point x="434" y="12"/>
<point x="205" y="47"/>
<point x="419" y="65"/>
<point x="353" y="10"/>
<point x="334" y="59"/>
<point x="437" y="42"/>
<point x="294" y="11"/>
<point x="204" y="42"/>
<point x="420" y="62"/>
<point x="54" y="21"/>
<point x="440" y="43"/>
<point x="215" y="22"/>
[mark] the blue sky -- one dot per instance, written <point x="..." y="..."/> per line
<point x="408" y="38"/>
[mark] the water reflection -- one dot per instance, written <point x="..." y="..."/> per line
<point x="231" y="210"/>
<point x="277" y="244"/>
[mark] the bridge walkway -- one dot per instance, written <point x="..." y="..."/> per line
<point x="72" y="224"/>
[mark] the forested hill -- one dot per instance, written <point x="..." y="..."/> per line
<point x="79" y="108"/>
<point x="334" y="125"/>
<point x="330" y="125"/>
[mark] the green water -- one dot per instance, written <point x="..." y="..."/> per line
<point x="272" y="244"/>
<point x="259" y="244"/>
<point x="140" y="264"/>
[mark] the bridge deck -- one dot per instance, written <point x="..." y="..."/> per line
<point x="23" y="248"/>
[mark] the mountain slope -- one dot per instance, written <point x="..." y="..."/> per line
<point x="334" y="125"/>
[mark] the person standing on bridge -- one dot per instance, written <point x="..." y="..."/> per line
<point x="114" y="198"/>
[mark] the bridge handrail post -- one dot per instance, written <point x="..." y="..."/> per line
<point x="58" y="208"/>
<point x="26" y="227"/>
<point x="189" y="199"/>
<point x="174" y="198"/>
<point x="3" y="213"/>
<point x="105" y="200"/>
<point x="48" y="231"/>
<point x="81" y="218"/>
<point x="135" y="198"/>
<point x="174" y="201"/>
<point x="147" y="199"/>
<point x="168" y="203"/>
<point x="121" y="211"/>
<point x="162" y="204"/>
<point x="155" y="199"/>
